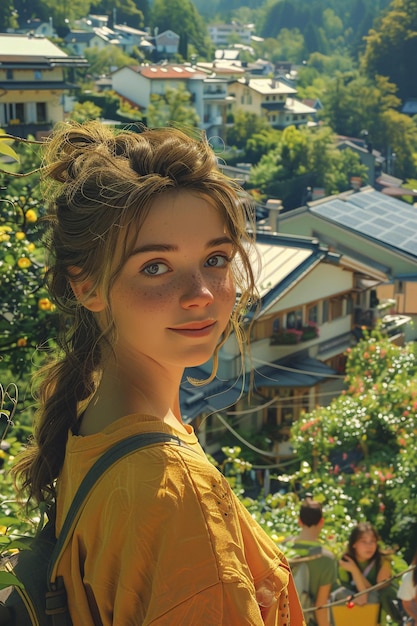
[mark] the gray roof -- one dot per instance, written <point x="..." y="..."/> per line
<point x="26" y="46"/>
<point x="374" y="215"/>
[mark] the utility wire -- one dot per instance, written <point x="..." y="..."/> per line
<point x="352" y="597"/>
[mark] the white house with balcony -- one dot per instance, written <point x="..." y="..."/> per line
<point x="35" y="75"/>
<point x="208" y="92"/>
<point x="299" y="335"/>
<point x="374" y="229"/>
<point x="223" y="34"/>
<point x="272" y="99"/>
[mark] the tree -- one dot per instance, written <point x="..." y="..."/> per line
<point x="244" y="126"/>
<point x="28" y="9"/>
<point x="260" y="143"/>
<point x="290" y="46"/>
<point x="353" y="102"/>
<point x="27" y="320"/>
<point x="130" y="12"/>
<point x="400" y="139"/>
<point x="102" y="61"/>
<point x="65" y="13"/>
<point x="7" y="16"/>
<point x="85" y="111"/>
<point x="173" y="107"/>
<point x="182" y="17"/>
<point x="304" y="157"/>
<point x="392" y="47"/>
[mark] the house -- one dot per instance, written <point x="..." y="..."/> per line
<point x="271" y="99"/>
<point x="208" y="93"/>
<point x="410" y="107"/>
<point x="222" y="68"/>
<point x="224" y="34"/>
<point x="37" y="27"/>
<point x="34" y="76"/>
<point x="77" y="41"/>
<point x="372" y="159"/>
<point x="131" y="38"/>
<point x="299" y="335"/>
<point x="166" y="44"/>
<point x="372" y="228"/>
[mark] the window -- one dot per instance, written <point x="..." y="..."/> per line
<point x="325" y="314"/>
<point x="37" y="74"/>
<point x="20" y="111"/>
<point x="276" y="325"/>
<point x="14" y="112"/>
<point x="336" y="308"/>
<point x="41" y="111"/>
<point x="9" y="74"/>
<point x="313" y="313"/>
<point x="295" y="319"/>
<point x="349" y="305"/>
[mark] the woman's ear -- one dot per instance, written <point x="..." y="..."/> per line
<point x="81" y="288"/>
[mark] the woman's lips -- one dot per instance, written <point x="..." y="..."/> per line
<point x="195" y="329"/>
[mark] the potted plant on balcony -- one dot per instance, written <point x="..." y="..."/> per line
<point x="287" y="336"/>
<point x="311" y="331"/>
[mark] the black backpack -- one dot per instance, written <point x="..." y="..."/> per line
<point x="42" y="601"/>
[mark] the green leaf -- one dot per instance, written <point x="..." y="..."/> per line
<point x="7" y="579"/>
<point x="7" y="150"/>
<point x="6" y="520"/>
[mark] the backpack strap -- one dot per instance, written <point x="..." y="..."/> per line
<point x="111" y="456"/>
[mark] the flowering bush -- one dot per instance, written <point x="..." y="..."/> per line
<point x="366" y="438"/>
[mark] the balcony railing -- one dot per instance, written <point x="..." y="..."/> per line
<point x="290" y="336"/>
<point x="37" y="129"/>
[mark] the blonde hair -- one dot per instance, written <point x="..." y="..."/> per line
<point x="97" y="181"/>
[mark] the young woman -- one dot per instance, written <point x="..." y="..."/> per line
<point x="149" y="248"/>
<point x="364" y="565"/>
<point x="407" y="592"/>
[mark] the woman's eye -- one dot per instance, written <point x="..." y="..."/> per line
<point x="218" y="260"/>
<point x="155" y="269"/>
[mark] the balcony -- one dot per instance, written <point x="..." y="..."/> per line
<point x="217" y="94"/>
<point x="292" y="336"/>
<point x="36" y="129"/>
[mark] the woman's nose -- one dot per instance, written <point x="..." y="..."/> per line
<point x="196" y="292"/>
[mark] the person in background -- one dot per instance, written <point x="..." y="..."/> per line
<point x="364" y="565"/>
<point x="150" y="270"/>
<point x="407" y="592"/>
<point x="323" y="564"/>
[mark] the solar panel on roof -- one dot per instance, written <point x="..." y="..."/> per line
<point x="403" y="230"/>
<point x="331" y="212"/>
<point x="384" y="211"/>
<point x="376" y="216"/>
<point x="380" y="221"/>
<point x="395" y="239"/>
<point x="349" y="220"/>
<point x="373" y="230"/>
<point x="411" y="246"/>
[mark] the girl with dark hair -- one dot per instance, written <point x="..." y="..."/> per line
<point x="150" y="270"/>
<point x="364" y="565"/>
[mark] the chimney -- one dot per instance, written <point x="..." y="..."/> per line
<point x="274" y="207"/>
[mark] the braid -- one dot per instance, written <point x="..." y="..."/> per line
<point x="64" y="385"/>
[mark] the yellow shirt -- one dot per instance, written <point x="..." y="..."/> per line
<point x="163" y="541"/>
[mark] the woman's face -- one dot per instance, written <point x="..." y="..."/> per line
<point x="173" y="298"/>
<point x="365" y="547"/>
